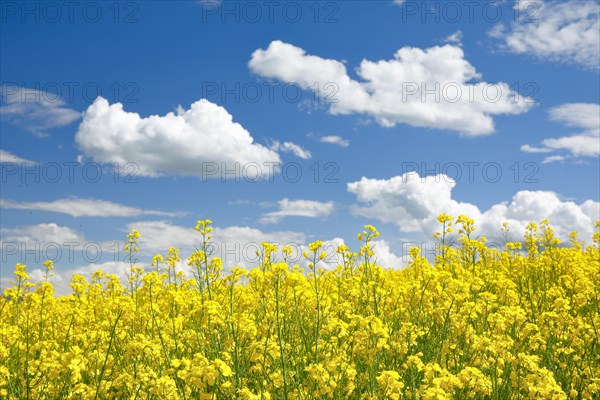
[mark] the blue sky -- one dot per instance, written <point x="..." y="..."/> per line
<point x="258" y="66"/>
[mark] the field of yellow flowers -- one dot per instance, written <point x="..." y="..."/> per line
<point x="484" y="323"/>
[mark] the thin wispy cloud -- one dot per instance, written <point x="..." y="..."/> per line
<point x="298" y="208"/>
<point x="78" y="207"/>
<point x="585" y="142"/>
<point x="34" y="110"/>
<point x="290" y="147"/>
<point x="9" y="158"/>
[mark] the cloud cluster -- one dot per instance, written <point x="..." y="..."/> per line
<point x="430" y="88"/>
<point x="413" y="203"/>
<point x="585" y="117"/>
<point x="559" y="31"/>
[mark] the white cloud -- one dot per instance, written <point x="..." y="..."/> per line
<point x="455" y="38"/>
<point x="556" y="31"/>
<point x="9" y="158"/>
<point x="77" y="207"/>
<point x="578" y="145"/>
<point x="289" y="147"/>
<point x="578" y="115"/>
<point x="585" y="143"/>
<point x="35" y="110"/>
<point x="298" y="208"/>
<point x="188" y="142"/>
<point x="335" y="140"/>
<point x="159" y="236"/>
<point x="413" y="204"/>
<point x="399" y="2"/>
<point x="532" y="149"/>
<point x="395" y="91"/>
<point x="554" y="158"/>
<point x="385" y="257"/>
<point x="40" y="234"/>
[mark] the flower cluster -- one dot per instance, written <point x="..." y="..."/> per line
<point x="478" y="323"/>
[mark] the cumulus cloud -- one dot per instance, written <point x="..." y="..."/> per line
<point x="34" y="110"/>
<point x="556" y="31"/>
<point x="289" y="147"/>
<point x="413" y="204"/>
<point x="77" y="207"/>
<point x="40" y="234"/>
<point x="298" y="208"/>
<point x="184" y="143"/>
<point x="585" y="117"/>
<point x="385" y="257"/>
<point x="9" y="158"/>
<point x="431" y="88"/>
<point x="337" y="140"/>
